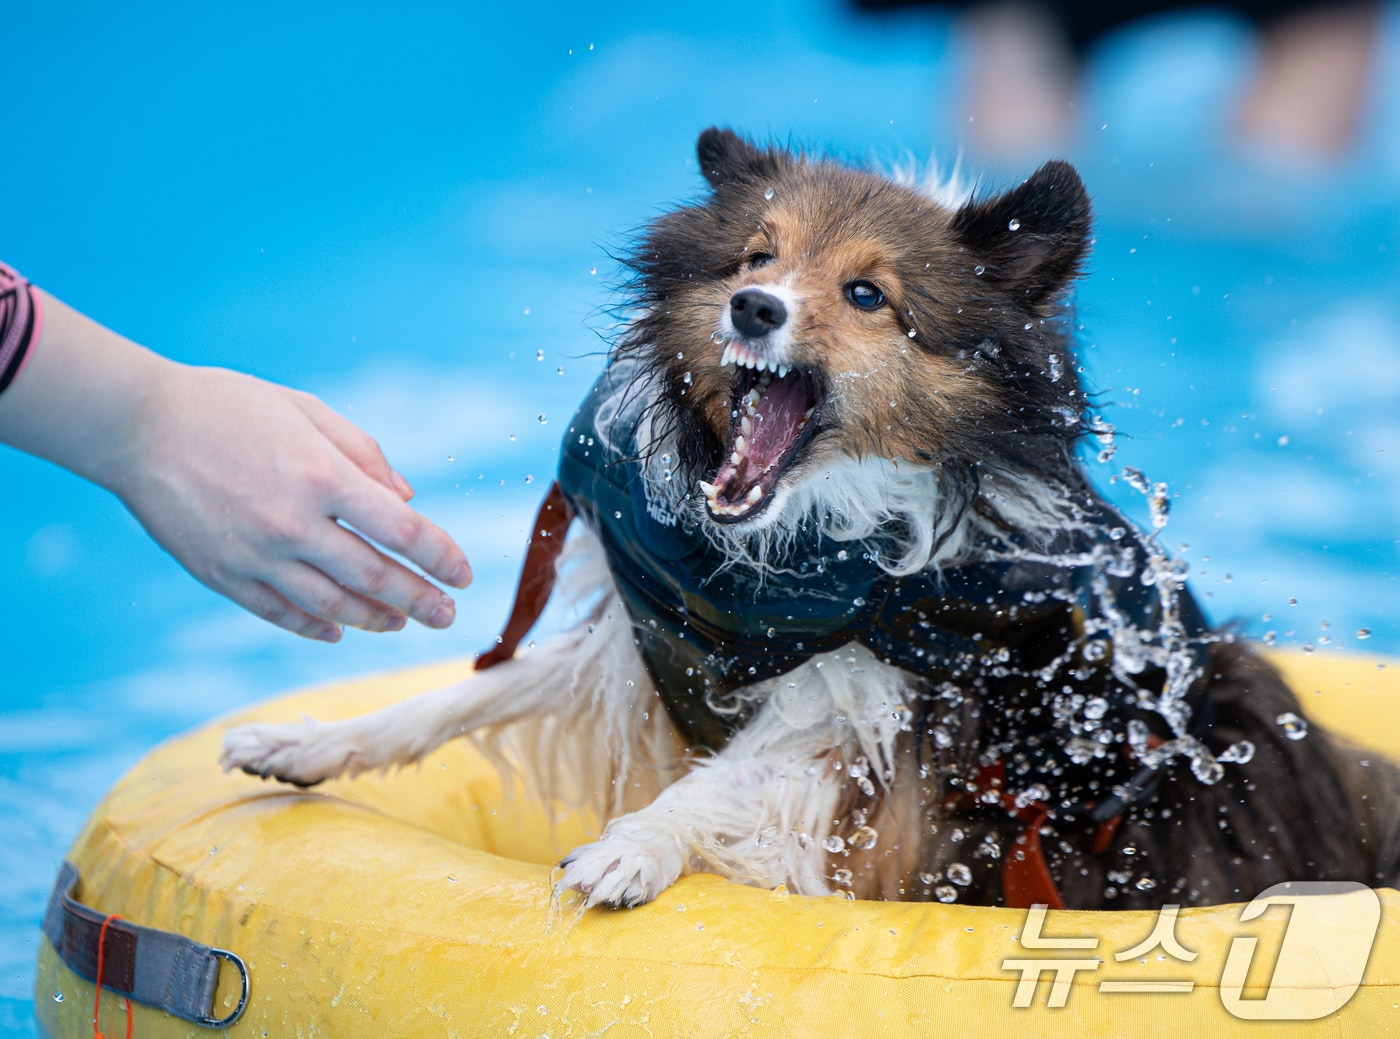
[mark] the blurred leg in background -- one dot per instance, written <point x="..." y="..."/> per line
<point x="1303" y="100"/>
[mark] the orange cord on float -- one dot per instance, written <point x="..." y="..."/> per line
<point x="97" y="1001"/>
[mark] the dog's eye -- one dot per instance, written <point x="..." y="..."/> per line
<point x="865" y="295"/>
<point x="761" y="260"/>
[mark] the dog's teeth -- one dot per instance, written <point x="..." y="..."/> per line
<point x="753" y="398"/>
<point x="735" y="458"/>
<point x="746" y="425"/>
<point x="728" y="356"/>
<point x="753" y="496"/>
<point x="808" y="414"/>
<point x="783" y="370"/>
<point x="741" y="445"/>
<point x="711" y="491"/>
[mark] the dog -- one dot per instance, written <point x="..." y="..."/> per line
<point x="852" y="617"/>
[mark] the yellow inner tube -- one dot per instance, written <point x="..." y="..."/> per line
<point x="418" y="903"/>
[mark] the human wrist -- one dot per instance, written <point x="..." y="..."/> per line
<point x="83" y="397"/>
<point x="131" y="426"/>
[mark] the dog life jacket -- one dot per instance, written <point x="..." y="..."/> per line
<point x="1009" y="631"/>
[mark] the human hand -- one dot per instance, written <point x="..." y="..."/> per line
<point x="255" y="488"/>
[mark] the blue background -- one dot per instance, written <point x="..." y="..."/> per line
<point x="399" y="207"/>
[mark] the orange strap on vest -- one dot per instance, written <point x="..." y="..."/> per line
<point x="1026" y="879"/>
<point x="537" y="576"/>
<point x="1025" y="875"/>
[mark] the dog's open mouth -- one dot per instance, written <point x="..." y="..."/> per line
<point x="775" y="415"/>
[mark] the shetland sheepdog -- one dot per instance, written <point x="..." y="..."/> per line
<point x="852" y="617"/>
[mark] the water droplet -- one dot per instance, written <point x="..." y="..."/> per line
<point x="1363" y="633"/>
<point x="857" y="601"/>
<point x="593" y="270"/>
<point x="841" y="877"/>
<point x="686" y="378"/>
<point x="945" y="893"/>
<point x="864" y="839"/>
<point x="1294" y="728"/>
<point x="959" y="874"/>
<point x="559" y="370"/>
<point x="979" y="270"/>
<point x="544" y="419"/>
<point x="1206" y="767"/>
<point x="1027" y="797"/>
<point x="1240" y="753"/>
<point x="768" y="194"/>
<point x="1145" y="884"/>
<point x="57" y="996"/>
<point x="768" y="836"/>
<point x="834" y="844"/>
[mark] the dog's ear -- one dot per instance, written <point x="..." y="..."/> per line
<point x="1032" y="238"/>
<point x="725" y="156"/>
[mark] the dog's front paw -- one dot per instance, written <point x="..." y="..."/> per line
<point x="621" y="872"/>
<point x="303" y="753"/>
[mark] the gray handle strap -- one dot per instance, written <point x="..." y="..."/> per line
<point x="160" y="969"/>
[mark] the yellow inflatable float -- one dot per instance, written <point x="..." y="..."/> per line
<point x="418" y="903"/>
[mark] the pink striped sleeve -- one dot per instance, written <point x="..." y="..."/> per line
<point x="21" y="318"/>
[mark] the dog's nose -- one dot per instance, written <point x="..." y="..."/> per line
<point x="755" y="313"/>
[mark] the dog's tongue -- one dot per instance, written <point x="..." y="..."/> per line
<point x="772" y="416"/>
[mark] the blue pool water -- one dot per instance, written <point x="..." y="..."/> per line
<point x="400" y="213"/>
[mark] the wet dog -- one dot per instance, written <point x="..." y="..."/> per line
<point x="852" y="617"/>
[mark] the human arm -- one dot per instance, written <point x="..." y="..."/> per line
<point x="241" y="480"/>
